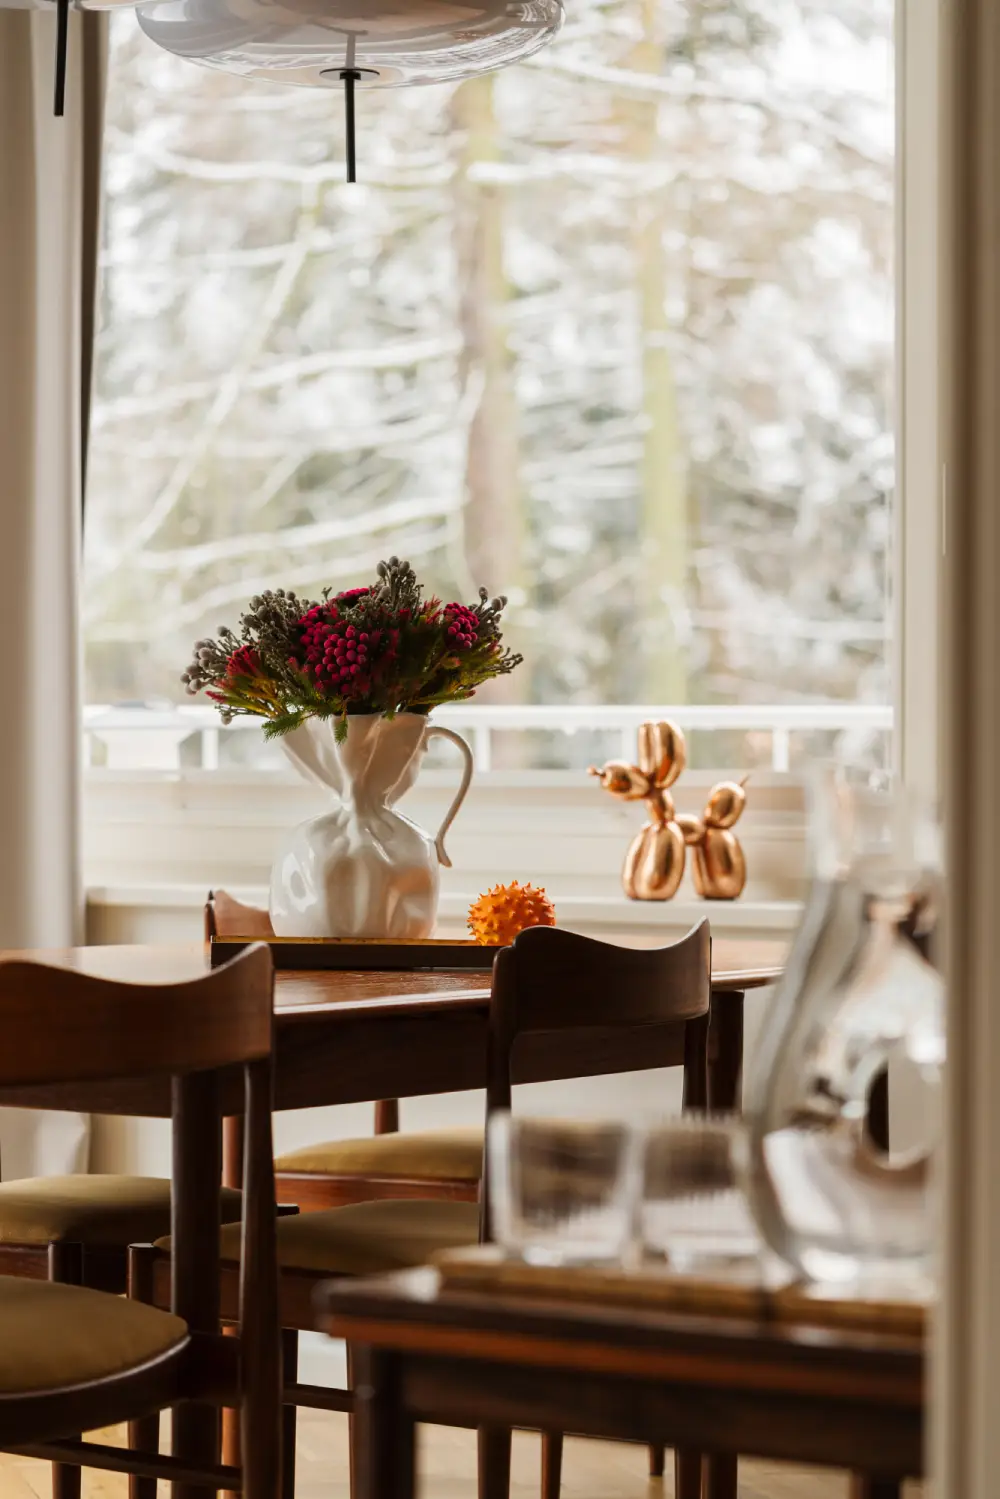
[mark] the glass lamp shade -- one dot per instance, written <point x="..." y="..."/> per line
<point x="388" y="42"/>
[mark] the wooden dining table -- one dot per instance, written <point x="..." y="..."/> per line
<point x="349" y="1037"/>
<point x="727" y="1386"/>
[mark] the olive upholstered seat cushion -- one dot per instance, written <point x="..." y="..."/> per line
<point x="52" y="1335"/>
<point x="425" y="1155"/>
<point x="367" y="1237"/>
<point x="106" y="1210"/>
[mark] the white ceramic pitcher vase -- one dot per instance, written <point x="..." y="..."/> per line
<point x="362" y="869"/>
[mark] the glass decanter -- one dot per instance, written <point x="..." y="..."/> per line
<point x="859" y="994"/>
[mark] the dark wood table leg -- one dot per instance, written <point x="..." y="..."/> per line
<point x="721" y="1480"/>
<point x="695" y="1092"/>
<point x="383" y="1445"/>
<point x="863" y="1487"/>
<point x="232" y="1150"/>
<point x="552" y="1456"/>
<point x="687" y="1474"/>
<point x="197" y="1160"/>
<point x="494" y="1462"/>
<point x="725" y="1067"/>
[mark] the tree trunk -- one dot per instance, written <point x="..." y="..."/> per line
<point x="492" y="516"/>
<point x="663" y="513"/>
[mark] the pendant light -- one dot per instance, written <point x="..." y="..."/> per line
<point x="338" y="44"/>
<point x="352" y="44"/>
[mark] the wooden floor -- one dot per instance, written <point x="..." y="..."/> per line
<point x="592" y="1470"/>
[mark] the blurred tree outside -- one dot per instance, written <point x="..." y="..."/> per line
<point x="610" y="332"/>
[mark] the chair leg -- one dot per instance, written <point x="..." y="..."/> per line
<point x="290" y="1371"/>
<point x="721" y="1475"/>
<point x="863" y="1487"/>
<point x="353" y="1456"/>
<point x="657" y="1462"/>
<point x="552" y="1455"/>
<point x="687" y="1474"/>
<point x="230" y="1429"/>
<point x="494" y="1462"/>
<point x="143" y="1434"/>
<point x="65" y="1481"/>
<point x="66" y="1265"/>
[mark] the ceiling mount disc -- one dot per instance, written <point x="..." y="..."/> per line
<point x="332" y="76"/>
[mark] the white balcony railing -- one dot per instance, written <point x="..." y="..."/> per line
<point x="171" y="737"/>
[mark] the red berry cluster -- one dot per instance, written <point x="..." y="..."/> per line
<point x="339" y="656"/>
<point x="461" y="626"/>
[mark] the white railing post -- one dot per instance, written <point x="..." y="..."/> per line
<point x="482" y="748"/>
<point x="210" y="749"/>
<point x="781" y="750"/>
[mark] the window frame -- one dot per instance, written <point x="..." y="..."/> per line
<point x="919" y="508"/>
<point x="193" y="846"/>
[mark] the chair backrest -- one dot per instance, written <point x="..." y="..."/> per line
<point x="551" y="980"/>
<point x="60" y="1025"/>
<point x="227" y="917"/>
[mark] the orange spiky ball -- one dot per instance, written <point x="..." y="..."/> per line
<point x="496" y="917"/>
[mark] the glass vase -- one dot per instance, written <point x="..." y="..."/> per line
<point x="859" y="995"/>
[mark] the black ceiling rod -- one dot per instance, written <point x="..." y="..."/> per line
<point x="62" y="42"/>
<point x="350" y="77"/>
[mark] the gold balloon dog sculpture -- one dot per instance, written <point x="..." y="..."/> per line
<point x="654" y="863"/>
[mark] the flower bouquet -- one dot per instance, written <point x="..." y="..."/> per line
<point x="382" y="650"/>
<point x="349" y="683"/>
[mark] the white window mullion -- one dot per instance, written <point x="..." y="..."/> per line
<point x="918" y="508"/>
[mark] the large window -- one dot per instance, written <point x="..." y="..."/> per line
<point x="611" y="332"/>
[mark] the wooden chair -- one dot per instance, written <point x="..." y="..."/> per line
<point x="75" y="1230"/>
<point x="549" y="983"/>
<point x="73" y="1358"/>
<point x="529" y="1001"/>
<point x="440" y="1164"/>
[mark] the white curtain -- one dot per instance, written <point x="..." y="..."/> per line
<point x="48" y="246"/>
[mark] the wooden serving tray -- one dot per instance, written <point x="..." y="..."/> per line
<point x="744" y="1292"/>
<point x="336" y="953"/>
